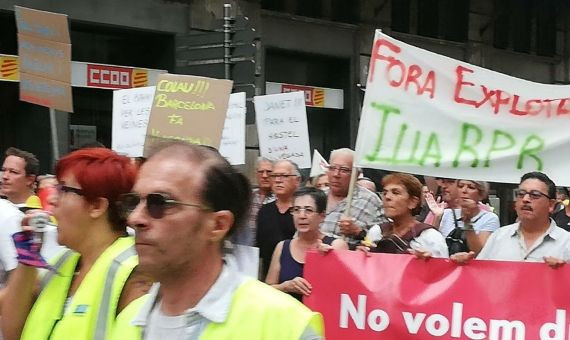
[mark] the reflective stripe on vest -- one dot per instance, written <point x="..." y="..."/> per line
<point x="91" y="313"/>
<point x="274" y="315"/>
<point x="57" y="266"/>
<point x="257" y="312"/>
<point x="101" y="328"/>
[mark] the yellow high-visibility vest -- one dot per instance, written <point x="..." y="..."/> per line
<point x="257" y="312"/>
<point x="91" y="312"/>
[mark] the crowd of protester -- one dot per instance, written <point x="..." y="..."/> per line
<point x="183" y="211"/>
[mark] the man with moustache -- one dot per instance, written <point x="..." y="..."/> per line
<point x="366" y="208"/>
<point x="536" y="237"/>
<point x="274" y="221"/>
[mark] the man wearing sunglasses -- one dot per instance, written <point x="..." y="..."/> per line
<point x="535" y="237"/>
<point x="187" y="201"/>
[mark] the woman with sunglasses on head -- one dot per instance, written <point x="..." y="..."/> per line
<point x="88" y="285"/>
<point x="404" y="234"/>
<point x="475" y="223"/>
<point x="286" y="268"/>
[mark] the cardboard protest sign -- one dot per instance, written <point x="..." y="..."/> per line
<point x="188" y="108"/>
<point x="393" y="296"/>
<point x="44" y="49"/>
<point x="233" y="136"/>
<point x="319" y="165"/>
<point x="282" y="127"/>
<point x="131" y="111"/>
<point x="428" y="114"/>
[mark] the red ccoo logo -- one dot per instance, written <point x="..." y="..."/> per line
<point x="111" y="77"/>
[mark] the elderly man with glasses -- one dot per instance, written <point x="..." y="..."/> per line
<point x="274" y="222"/>
<point x="366" y="207"/>
<point x="535" y="237"/>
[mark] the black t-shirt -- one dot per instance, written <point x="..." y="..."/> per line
<point x="562" y="220"/>
<point x="272" y="228"/>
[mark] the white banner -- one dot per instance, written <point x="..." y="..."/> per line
<point x="131" y="110"/>
<point x="427" y="114"/>
<point x="282" y="127"/>
<point x="233" y="136"/>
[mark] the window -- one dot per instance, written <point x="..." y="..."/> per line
<point x="401" y="16"/>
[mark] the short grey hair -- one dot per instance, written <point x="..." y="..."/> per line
<point x="262" y="159"/>
<point x="342" y="151"/>
<point x="296" y="170"/>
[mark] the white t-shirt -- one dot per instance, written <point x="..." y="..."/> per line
<point x="430" y="240"/>
<point x="483" y="221"/>
<point x="10" y="223"/>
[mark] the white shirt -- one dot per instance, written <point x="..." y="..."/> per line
<point x="10" y="223"/>
<point x="430" y="240"/>
<point x="213" y="307"/>
<point x="507" y="244"/>
<point x="483" y="221"/>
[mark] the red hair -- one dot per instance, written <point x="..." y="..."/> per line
<point x="101" y="173"/>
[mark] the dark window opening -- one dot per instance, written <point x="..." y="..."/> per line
<point x="454" y="20"/>
<point x="502" y="24"/>
<point x="428" y="18"/>
<point x="546" y="28"/>
<point x="401" y="16"/>
<point x="274" y="5"/>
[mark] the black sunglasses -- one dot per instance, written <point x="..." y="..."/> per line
<point x="64" y="189"/>
<point x="156" y="203"/>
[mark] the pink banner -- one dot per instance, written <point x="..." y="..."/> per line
<point x="385" y="296"/>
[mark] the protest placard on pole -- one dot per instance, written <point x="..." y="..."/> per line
<point x="44" y="49"/>
<point x="233" y="136"/>
<point x="319" y="165"/>
<point x="131" y="111"/>
<point x="282" y="127"/>
<point x="428" y="114"/>
<point x="188" y="108"/>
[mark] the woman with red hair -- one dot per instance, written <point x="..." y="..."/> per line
<point x="89" y="284"/>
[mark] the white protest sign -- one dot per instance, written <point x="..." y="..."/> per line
<point x="233" y="136"/>
<point x="282" y="127"/>
<point x="427" y="114"/>
<point x="319" y="164"/>
<point x="131" y="110"/>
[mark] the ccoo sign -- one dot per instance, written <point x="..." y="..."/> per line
<point x="109" y="76"/>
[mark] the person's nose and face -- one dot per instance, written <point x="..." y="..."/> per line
<point x="339" y="172"/>
<point x="533" y="201"/>
<point x="15" y="181"/>
<point x="305" y="215"/>
<point x="263" y="174"/>
<point x="397" y="201"/>
<point x="285" y="180"/>
<point x="449" y="189"/>
<point x="168" y="215"/>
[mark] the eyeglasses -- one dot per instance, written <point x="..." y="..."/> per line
<point x="533" y="194"/>
<point x="341" y="169"/>
<point x="281" y="176"/>
<point x="298" y="210"/>
<point x="61" y="189"/>
<point x="156" y="203"/>
<point x="264" y="172"/>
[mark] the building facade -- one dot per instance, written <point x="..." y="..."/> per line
<point x="316" y="43"/>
